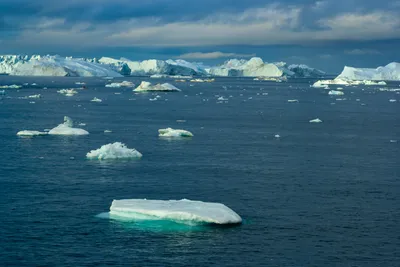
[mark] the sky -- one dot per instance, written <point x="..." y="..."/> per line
<point x="326" y="34"/>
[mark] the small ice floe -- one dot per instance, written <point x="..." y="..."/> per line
<point x="339" y="88"/>
<point x="95" y="99"/>
<point x="358" y="100"/>
<point x="32" y="102"/>
<point x="107" y="131"/>
<point x="179" y="211"/>
<point x="292" y="100"/>
<point x="393" y="141"/>
<point x="80" y="83"/>
<point x="67" y="92"/>
<point x="13" y="86"/>
<point x="221" y="98"/>
<point x="153" y="99"/>
<point x="180" y="121"/>
<point x="121" y="84"/>
<point x="117" y="93"/>
<point x="34" y="96"/>
<point x="116" y="150"/>
<point x="272" y="79"/>
<point x="82" y="124"/>
<point x="264" y="93"/>
<point x="392" y="100"/>
<point x="277" y="136"/>
<point x="30" y="133"/>
<point x="202" y="80"/>
<point x="66" y="128"/>
<point x="333" y="92"/>
<point x="341" y="99"/>
<point x="169" y="132"/>
<point x="34" y="84"/>
<point x="148" y="87"/>
<point x="317" y="120"/>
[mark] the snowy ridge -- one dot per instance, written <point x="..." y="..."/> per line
<point x="390" y="72"/>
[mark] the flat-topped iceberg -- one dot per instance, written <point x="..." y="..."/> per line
<point x="66" y="128"/>
<point x="333" y="92"/>
<point x="30" y="133"/>
<point x="52" y="66"/>
<point x="116" y="150"/>
<point x="181" y="211"/>
<point x="390" y="72"/>
<point x="147" y="87"/>
<point x="169" y="132"/>
<point x="121" y="84"/>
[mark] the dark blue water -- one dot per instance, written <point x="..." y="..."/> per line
<point x="321" y="195"/>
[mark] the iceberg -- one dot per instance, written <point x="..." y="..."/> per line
<point x="333" y="92"/>
<point x="392" y="100"/>
<point x="316" y="120"/>
<point x="116" y="150"/>
<point x="121" y="84"/>
<point x="37" y="65"/>
<point x="67" y="92"/>
<point x="390" y="72"/>
<point x="159" y="76"/>
<point x="292" y="100"/>
<point x="95" y="99"/>
<point x="169" y="132"/>
<point x="30" y="133"/>
<point x="272" y="79"/>
<point x="147" y="87"/>
<point x="340" y="81"/>
<point x="66" y="128"/>
<point x="180" y="211"/>
<point x="202" y="80"/>
<point x="13" y="86"/>
<point x="35" y="96"/>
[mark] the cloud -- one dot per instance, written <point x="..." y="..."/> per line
<point x="213" y="55"/>
<point x="357" y="52"/>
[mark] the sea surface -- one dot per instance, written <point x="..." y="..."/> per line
<point x="322" y="194"/>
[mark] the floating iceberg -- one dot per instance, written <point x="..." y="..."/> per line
<point x="116" y="150"/>
<point x="333" y="92"/>
<point x="34" y="96"/>
<point x="340" y="81"/>
<point x="30" y="133"/>
<point x="316" y="120"/>
<point x="66" y="128"/>
<point x="159" y="76"/>
<point x="390" y="72"/>
<point x="292" y="100"/>
<point x="52" y="66"/>
<point x="181" y="211"/>
<point x="121" y="84"/>
<point x="169" y="132"/>
<point x="272" y="79"/>
<point x="147" y="86"/>
<point x="67" y="92"/>
<point x="392" y="100"/>
<point x="202" y="80"/>
<point x="95" y="99"/>
<point x="13" y="86"/>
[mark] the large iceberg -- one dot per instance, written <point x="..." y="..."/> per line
<point x="66" y="128"/>
<point x="52" y="66"/>
<point x="116" y="150"/>
<point x="181" y="211"/>
<point x="148" y="87"/>
<point x="169" y="132"/>
<point x="390" y="72"/>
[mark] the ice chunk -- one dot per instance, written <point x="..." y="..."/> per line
<point x="333" y="92"/>
<point x="392" y="100"/>
<point x="66" y="128"/>
<point x="277" y="136"/>
<point x="95" y="99"/>
<point x="169" y="132"/>
<point x="316" y="120"/>
<point x="67" y="92"/>
<point x="181" y="211"/>
<point x="292" y="100"/>
<point x="34" y="96"/>
<point x="13" y="86"/>
<point x="147" y="86"/>
<point x="30" y="133"/>
<point x="272" y="79"/>
<point x="121" y="84"/>
<point x="202" y="80"/>
<point x="107" y="131"/>
<point x="116" y="150"/>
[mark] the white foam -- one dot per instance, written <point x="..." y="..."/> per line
<point x="185" y="211"/>
<point x="116" y="150"/>
<point x="169" y="132"/>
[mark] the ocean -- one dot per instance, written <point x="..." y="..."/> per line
<point x="321" y="194"/>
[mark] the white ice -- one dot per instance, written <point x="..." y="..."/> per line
<point x="316" y="120"/>
<point x="67" y="92"/>
<point x="390" y="72"/>
<point x="181" y="211"/>
<point x="121" y="84"/>
<point x="169" y="132"/>
<point x="66" y="128"/>
<point x="333" y="92"/>
<point x="116" y="150"/>
<point x="147" y="87"/>
<point x="13" y="86"/>
<point x="95" y="99"/>
<point x="30" y="133"/>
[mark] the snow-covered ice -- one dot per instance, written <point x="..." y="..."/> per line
<point x="34" y="96"/>
<point x="293" y="100"/>
<point x="66" y="128"/>
<point x="181" y="211"/>
<point x="169" y="132"/>
<point x="116" y="150"/>
<point x="390" y="72"/>
<point x="333" y="92"/>
<point x="95" y="99"/>
<point x="121" y="84"/>
<point x="147" y="86"/>
<point x="30" y="133"/>
<point x="67" y="92"/>
<point x="13" y="86"/>
<point x="316" y="120"/>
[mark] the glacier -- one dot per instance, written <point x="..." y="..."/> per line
<point x="169" y="132"/>
<point x="148" y="87"/>
<point x="115" y="150"/>
<point x="66" y="128"/>
<point x="37" y="65"/>
<point x="181" y="211"/>
<point x="390" y="72"/>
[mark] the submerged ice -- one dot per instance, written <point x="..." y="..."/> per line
<point x="185" y="211"/>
